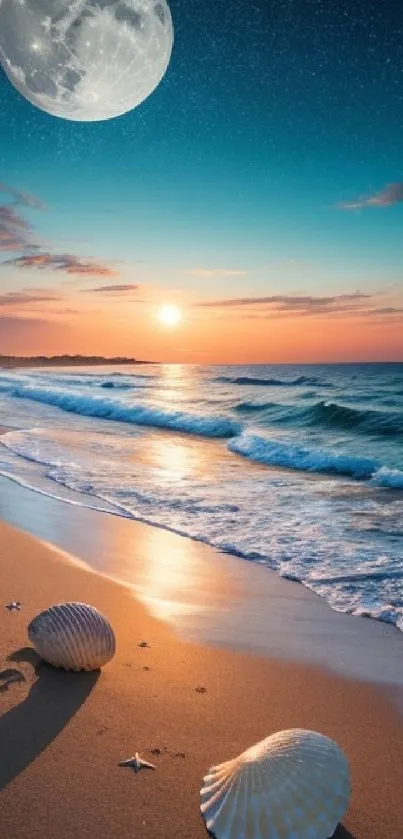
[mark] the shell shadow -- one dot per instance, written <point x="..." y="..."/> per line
<point x="28" y="728"/>
<point x="27" y="655"/>
<point x="342" y="833"/>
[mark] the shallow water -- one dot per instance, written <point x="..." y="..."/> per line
<point x="298" y="468"/>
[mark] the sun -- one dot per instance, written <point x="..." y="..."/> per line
<point x="169" y="315"/>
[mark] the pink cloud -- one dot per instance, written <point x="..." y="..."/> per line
<point x="392" y="194"/>
<point x="63" y="262"/>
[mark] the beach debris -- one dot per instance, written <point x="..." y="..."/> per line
<point x="144" y="644"/>
<point x="7" y="677"/>
<point x="201" y="690"/>
<point x="136" y="763"/>
<point x="73" y="636"/>
<point x="159" y="750"/>
<point x="294" y="783"/>
<point x="163" y="750"/>
<point x="14" y="606"/>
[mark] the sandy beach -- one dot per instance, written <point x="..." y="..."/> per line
<point x="201" y="419"/>
<point x="183" y="706"/>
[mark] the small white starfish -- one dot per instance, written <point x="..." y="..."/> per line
<point x="14" y="606"/>
<point x="136" y="763"/>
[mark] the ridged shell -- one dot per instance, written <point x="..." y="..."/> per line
<point x="74" y="636"/>
<point x="292" y="785"/>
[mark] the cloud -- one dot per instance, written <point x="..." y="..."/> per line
<point x="64" y="311"/>
<point x="392" y="194"/>
<point x="281" y="307"/>
<point x="203" y="273"/>
<point x="386" y="310"/>
<point x="24" y="199"/>
<point x="306" y="304"/>
<point x="16" y="235"/>
<point x="15" y="320"/>
<point x="8" y="216"/>
<point x="15" y="232"/>
<point x="111" y="289"/>
<point x="22" y="298"/>
<point x="62" y="262"/>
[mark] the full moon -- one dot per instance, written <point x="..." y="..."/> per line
<point x="85" y="60"/>
<point x="169" y="315"/>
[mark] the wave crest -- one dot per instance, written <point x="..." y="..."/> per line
<point x="92" y="405"/>
<point x="367" y="419"/>
<point x="279" y="453"/>
<point x="332" y="415"/>
<point x="389" y="478"/>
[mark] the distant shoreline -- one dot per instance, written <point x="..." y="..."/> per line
<point x="10" y="362"/>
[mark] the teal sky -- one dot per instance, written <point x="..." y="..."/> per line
<point x="236" y="177"/>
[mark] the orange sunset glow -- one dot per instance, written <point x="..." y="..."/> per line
<point x="115" y="323"/>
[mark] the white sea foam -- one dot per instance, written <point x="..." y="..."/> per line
<point x="392" y="478"/>
<point x="122" y="410"/>
<point x="283" y="453"/>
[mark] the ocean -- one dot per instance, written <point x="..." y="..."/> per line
<point x="298" y="468"/>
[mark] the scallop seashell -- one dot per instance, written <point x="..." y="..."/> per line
<point x="74" y="636"/>
<point x="292" y="785"/>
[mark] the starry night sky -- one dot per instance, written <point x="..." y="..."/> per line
<point x="268" y="163"/>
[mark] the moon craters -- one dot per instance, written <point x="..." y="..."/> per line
<point x="160" y="12"/>
<point x="126" y="15"/>
<point x="85" y="60"/>
<point x="40" y="82"/>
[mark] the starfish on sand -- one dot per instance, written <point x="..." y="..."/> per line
<point x="136" y="763"/>
<point x="14" y="606"/>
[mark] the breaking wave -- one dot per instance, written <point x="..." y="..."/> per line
<point x="92" y="405"/>
<point x="287" y="455"/>
<point x="278" y="453"/>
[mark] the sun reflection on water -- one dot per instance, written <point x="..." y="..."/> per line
<point x="172" y="580"/>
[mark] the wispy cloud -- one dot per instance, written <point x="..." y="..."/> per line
<point x="15" y="232"/>
<point x="386" y="310"/>
<point x="17" y="236"/>
<point x="111" y="289"/>
<point x="293" y="304"/>
<point x="10" y="217"/>
<point x="23" y="199"/>
<point x="69" y="263"/>
<point x="15" y="320"/>
<point x="26" y="298"/>
<point x="205" y="273"/>
<point x="392" y="194"/>
<point x="281" y="307"/>
<point x="390" y="315"/>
